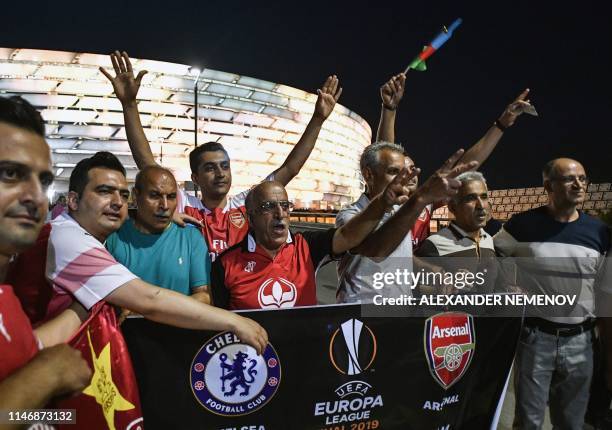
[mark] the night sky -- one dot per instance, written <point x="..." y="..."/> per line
<point x="562" y="51"/>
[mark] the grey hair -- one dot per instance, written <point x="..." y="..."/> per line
<point x="370" y="158"/>
<point x="466" y="177"/>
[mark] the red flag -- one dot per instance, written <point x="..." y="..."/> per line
<point x="111" y="401"/>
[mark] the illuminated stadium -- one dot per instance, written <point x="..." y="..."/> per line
<point x="257" y="121"/>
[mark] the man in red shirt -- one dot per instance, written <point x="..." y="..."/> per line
<point x="222" y="220"/>
<point x="29" y="378"/>
<point x="378" y="177"/>
<point x="273" y="268"/>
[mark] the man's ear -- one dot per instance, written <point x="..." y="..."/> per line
<point x="194" y="178"/>
<point x="367" y="174"/>
<point x="548" y="186"/>
<point x="73" y="201"/>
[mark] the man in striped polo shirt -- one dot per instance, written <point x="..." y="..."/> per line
<point x="561" y="250"/>
<point x="465" y="237"/>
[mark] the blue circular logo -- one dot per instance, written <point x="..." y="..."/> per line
<point x="228" y="377"/>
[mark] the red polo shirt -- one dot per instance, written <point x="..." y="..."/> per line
<point x="17" y="341"/>
<point x="246" y="277"/>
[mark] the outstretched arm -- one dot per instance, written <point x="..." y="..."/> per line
<point x="126" y="88"/>
<point x="481" y="150"/>
<point x="328" y="96"/>
<point x="391" y="94"/>
<point x="172" y="308"/>
<point x="351" y="234"/>
<point x="440" y="186"/>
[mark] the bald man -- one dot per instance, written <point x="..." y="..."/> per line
<point x="151" y="246"/>
<point x="563" y="252"/>
<point x="273" y="268"/>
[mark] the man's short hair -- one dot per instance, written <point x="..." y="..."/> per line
<point x="466" y="177"/>
<point x="140" y="177"/>
<point x="80" y="175"/>
<point x="19" y="113"/>
<point x="194" y="156"/>
<point x="370" y="157"/>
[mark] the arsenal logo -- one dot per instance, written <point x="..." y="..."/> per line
<point x="237" y="219"/>
<point x="450" y="341"/>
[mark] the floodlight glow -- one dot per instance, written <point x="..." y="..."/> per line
<point x="258" y="121"/>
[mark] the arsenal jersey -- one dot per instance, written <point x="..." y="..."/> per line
<point x="223" y="227"/>
<point x="420" y="230"/>
<point x="247" y="277"/>
<point x="17" y="341"/>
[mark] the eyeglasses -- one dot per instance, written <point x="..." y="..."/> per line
<point x="271" y="205"/>
<point x="570" y="179"/>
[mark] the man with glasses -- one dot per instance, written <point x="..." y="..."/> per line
<point x="563" y="252"/>
<point x="273" y="268"/>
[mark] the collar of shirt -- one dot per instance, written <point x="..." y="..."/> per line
<point x="458" y="231"/>
<point x="251" y="244"/>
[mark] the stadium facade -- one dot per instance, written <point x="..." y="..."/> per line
<point x="257" y="121"/>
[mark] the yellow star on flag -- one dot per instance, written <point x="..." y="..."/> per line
<point x="102" y="386"/>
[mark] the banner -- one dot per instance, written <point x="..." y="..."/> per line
<point x="110" y="402"/>
<point x="326" y="368"/>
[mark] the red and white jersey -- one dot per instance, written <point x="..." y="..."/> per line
<point x="421" y="231"/>
<point x="223" y="227"/>
<point x="77" y="266"/>
<point x="17" y="341"/>
<point x="246" y="277"/>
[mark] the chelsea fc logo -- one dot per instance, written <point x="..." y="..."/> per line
<point x="228" y="377"/>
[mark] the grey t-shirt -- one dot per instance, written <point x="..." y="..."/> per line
<point x="358" y="276"/>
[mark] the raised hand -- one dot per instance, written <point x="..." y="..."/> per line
<point x="124" y="83"/>
<point x="329" y="94"/>
<point x="514" y="109"/>
<point x="392" y="91"/>
<point x="397" y="192"/>
<point x="442" y="185"/>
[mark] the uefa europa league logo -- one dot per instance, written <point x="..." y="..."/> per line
<point x="356" y="354"/>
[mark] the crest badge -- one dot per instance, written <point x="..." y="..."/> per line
<point x="450" y="342"/>
<point x="228" y="377"/>
<point x="237" y="219"/>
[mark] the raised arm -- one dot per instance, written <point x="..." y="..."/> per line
<point x="126" y="89"/>
<point x="481" y="150"/>
<point x="328" y="96"/>
<point x="391" y="94"/>
<point x="351" y="234"/>
<point x="440" y="186"/>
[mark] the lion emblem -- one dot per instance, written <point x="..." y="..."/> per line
<point x="237" y="373"/>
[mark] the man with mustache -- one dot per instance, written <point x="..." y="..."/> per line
<point x="273" y="268"/>
<point x="222" y="219"/>
<point x="29" y="375"/>
<point x="465" y="237"/>
<point x="151" y="246"/>
<point x="562" y="251"/>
